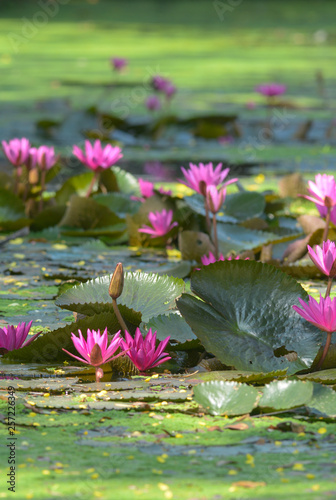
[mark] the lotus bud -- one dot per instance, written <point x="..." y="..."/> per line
<point x="117" y="282"/>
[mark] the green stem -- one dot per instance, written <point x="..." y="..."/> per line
<point x="94" y="178"/>
<point x="43" y="178"/>
<point x="18" y="172"/>
<point x="326" y="227"/>
<point x="325" y="350"/>
<point x="215" y="235"/>
<point x="119" y="316"/>
<point x="327" y="294"/>
<point x="207" y="217"/>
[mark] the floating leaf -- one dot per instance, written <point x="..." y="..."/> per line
<point x="323" y="400"/>
<point x="246" y="317"/>
<point x="149" y="294"/>
<point x="77" y="184"/>
<point x="283" y="394"/>
<point x="244" y="205"/>
<point x="172" y="325"/>
<point x="229" y="398"/>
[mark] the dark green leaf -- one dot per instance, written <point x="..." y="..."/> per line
<point x="284" y="394"/>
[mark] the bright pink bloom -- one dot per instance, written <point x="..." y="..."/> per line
<point x="84" y="347"/>
<point x="271" y="89"/>
<point x="215" y="198"/>
<point x="206" y="173"/>
<point x="169" y="89"/>
<point x="159" y="83"/>
<point x="119" y="63"/>
<point x="322" y="315"/>
<point x="211" y="259"/>
<point x="323" y="192"/>
<point x="96" y="157"/>
<point x="147" y="190"/>
<point x="324" y="258"/>
<point x="13" y="337"/>
<point x="45" y="157"/>
<point x="153" y="103"/>
<point x="142" y="351"/>
<point x="17" y="151"/>
<point x="161" y="222"/>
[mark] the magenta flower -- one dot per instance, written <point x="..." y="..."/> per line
<point x="95" y="338"/>
<point x="323" y="192"/>
<point x="211" y="259"/>
<point x="96" y="157"/>
<point x="147" y="190"/>
<point x="271" y="89"/>
<point x="159" y="83"/>
<point x="17" y="151"/>
<point x="45" y="157"/>
<point x="215" y="198"/>
<point x="206" y="173"/>
<point x="322" y="315"/>
<point x="324" y="258"/>
<point x="14" y="337"/>
<point x="169" y="89"/>
<point x="142" y="351"/>
<point x="161" y="222"/>
<point x="153" y="103"/>
<point x="119" y="63"/>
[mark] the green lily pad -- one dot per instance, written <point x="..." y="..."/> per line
<point x="246" y="317"/>
<point x="283" y="394"/>
<point x="244" y="205"/>
<point x="78" y="184"/>
<point x="323" y="400"/>
<point x="229" y="398"/>
<point x="12" y="212"/>
<point x="149" y="294"/>
<point x="172" y="325"/>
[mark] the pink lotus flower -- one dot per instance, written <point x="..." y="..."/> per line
<point x="169" y="89"/>
<point x="153" y="103"/>
<point x="119" y="63"/>
<point x="211" y="259"/>
<point x="271" y="89"/>
<point x="159" y="83"/>
<point x="324" y="258"/>
<point x="147" y="190"/>
<point x="322" y="315"/>
<point x="14" y="337"/>
<point x="199" y="177"/>
<point x="102" y="353"/>
<point x="45" y="157"/>
<point x="17" y="151"/>
<point x="215" y="198"/>
<point x="323" y="192"/>
<point x="96" y="157"/>
<point x="161" y="222"/>
<point x="142" y="351"/>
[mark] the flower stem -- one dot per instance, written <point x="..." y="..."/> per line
<point x="43" y="178"/>
<point x="215" y="235"/>
<point x="119" y="316"/>
<point x="207" y="217"/>
<point x="99" y="373"/>
<point x="326" y="227"/>
<point x="94" y="178"/>
<point x="18" y="172"/>
<point x="327" y="294"/>
<point x="325" y="350"/>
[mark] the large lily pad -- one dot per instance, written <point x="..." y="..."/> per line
<point x="230" y="398"/>
<point x="147" y="293"/>
<point x="244" y="205"/>
<point x="246" y="317"/>
<point x="12" y="214"/>
<point x="172" y="325"/>
<point x="283" y="394"/>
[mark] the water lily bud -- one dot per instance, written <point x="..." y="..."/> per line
<point x="117" y="282"/>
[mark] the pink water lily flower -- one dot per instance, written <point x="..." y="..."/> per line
<point x="119" y="63"/>
<point x="153" y="103"/>
<point x="169" y="90"/>
<point x="322" y="315"/>
<point x="201" y="176"/>
<point x="142" y="351"/>
<point x="161" y="222"/>
<point x="85" y="347"/>
<point x="210" y="259"/>
<point x="159" y="83"/>
<point x="271" y="89"/>
<point x="45" y="157"/>
<point x="17" y="151"/>
<point x="323" y="192"/>
<point x="14" y="337"/>
<point x="97" y="157"/>
<point x="215" y="198"/>
<point x="147" y="190"/>
<point x="324" y="258"/>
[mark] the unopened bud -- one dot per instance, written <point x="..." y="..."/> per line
<point x="117" y="282"/>
<point x="96" y="357"/>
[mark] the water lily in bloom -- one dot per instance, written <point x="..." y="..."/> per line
<point x="45" y="157"/>
<point x="119" y="63"/>
<point x="159" y="83"/>
<point x="142" y="351"/>
<point x="94" y="350"/>
<point x="161" y="222"/>
<point x="14" y="337"/>
<point x="17" y="151"/>
<point x="169" y="90"/>
<point x="210" y="258"/>
<point x="147" y="190"/>
<point x="97" y="157"/>
<point x="324" y="258"/>
<point x="323" y="192"/>
<point x="271" y="89"/>
<point x="153" y="103"/>
<point x="215" y="198"/>
<point x="201" y="176"/>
